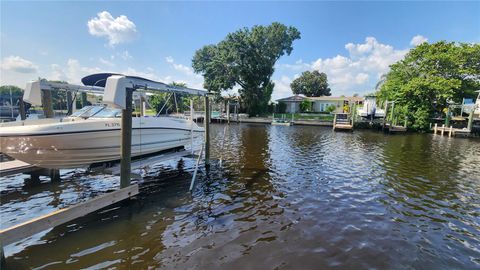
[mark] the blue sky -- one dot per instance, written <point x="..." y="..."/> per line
<point x="353" y="42"/>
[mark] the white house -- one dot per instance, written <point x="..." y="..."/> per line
<point x="319" y="104"/>
<point x="293" y="103"/>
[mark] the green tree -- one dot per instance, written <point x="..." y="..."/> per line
<point x="246" y="58"/>
<point x="429" y="76"/>
<point x="5" y="90"/>
<point x="281" y="107"/>
<point x="175" y="101"/>
<point x="306" y="105"/>
<point x="311" y="84"/>
<point x="330" y="108"/>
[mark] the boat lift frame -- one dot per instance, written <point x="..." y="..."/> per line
<point x="118" y="91"/>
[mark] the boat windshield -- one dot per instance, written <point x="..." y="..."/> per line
<point x="87" y="111"/>
<point x="108" y="113"/>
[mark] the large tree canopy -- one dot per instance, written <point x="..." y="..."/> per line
<point x="311" y="84"/>
<point x="429" y="76"/>
<point x="246" y="58"/>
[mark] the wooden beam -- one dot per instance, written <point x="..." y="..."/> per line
<point x="207" y="131"/>
<point x="14" y="167"/>
<point x="21" y="107"/>
<point x="126" y="140"/>
<point x="36" y="225"/>
<point x="70" y="103"/>
<point x="47" y="104"/>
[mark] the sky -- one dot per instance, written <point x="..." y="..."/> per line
<point x="352" y="42"/>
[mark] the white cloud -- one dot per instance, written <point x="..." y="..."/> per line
<point x="18" y="64"/>
<point x="356" y="72"/>
<point x="361" y="78"/>
<point x="282" y="88"/>
<point x="106" y="62"/>
<point x="116" y="30"/>
<point x="417" y="40"/>
<point x="297" y="66"/>
<point x="125" y="55"/>
<point x="182" y="68"/>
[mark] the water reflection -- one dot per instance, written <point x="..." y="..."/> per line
<point x="286" y="197"/>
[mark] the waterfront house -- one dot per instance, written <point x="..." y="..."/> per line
<point x="293" y="103"/>
<point x="319" y="104"/>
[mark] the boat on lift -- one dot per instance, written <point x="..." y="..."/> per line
<point x="92" y="134"/>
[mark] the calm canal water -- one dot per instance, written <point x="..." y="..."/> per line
<point x="287" y="198"/>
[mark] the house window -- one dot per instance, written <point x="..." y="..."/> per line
<point x="322" y="107"/>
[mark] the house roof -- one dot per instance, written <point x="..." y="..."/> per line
<point x="330" y="98"/>
<point x="292" y="98"/>
<point x="298" y="98"/>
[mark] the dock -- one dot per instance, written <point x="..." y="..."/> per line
<point x="342" y="121"/>
<point x="395" y="128"/>
<point x="451" y="131"/>
<point x="15" y="167"/>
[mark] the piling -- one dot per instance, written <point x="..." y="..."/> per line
<point x="435" y="129"/>
<point x="334" y="121"/>
<point x="47" y="103"/>
<point x="207" y="131"/>
<point x="21" y="107"/>
<point x="126" y="140"/>
<point x="447" y="117"/>
<point x="70" y="103"/>
<point x="228" y="112"/>
<point x="470" y="118"/>
<point x="385" y="115"/>
<point x="450" y="131"/>
<point x="191" y="126"/>
<point x="443" y="129"/>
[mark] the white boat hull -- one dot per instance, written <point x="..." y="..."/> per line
<point x="83" y="142"/>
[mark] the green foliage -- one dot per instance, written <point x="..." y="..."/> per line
<point x="17" y="93"/>
<point x="281" y="107"/>
<point x="182" y="101"/>
<point x="330" y="108"/>
<point x="311" y="84"/>
<point x="246" y="58"/>
<point x="428" y="76"/>
<point x="306" y="106"/>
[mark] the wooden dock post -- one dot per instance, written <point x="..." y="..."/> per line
<point x="447" y="117"/>
<point x="47" y="104"/>
<point x="126" y="140"/>
<point x="334" y="121"/>
<point x="21" y="108"/>
<point x="435" y="129"/>
<point x="191" y="127"/>
<point x="384" y="123"/>
<point x="207" y="131"/>
<point x="443" y="129"/>
<point x="70" y="103"/>
<point x="228" y="112"/>
<point x="450" y="131"/>
<point x="470" y="118"/>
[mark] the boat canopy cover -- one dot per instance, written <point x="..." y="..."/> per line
<point x="116" y="86"/>
<point x="100" y="79"/>
<point x="33" y="93"/>
<point x="111" y="85"/>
